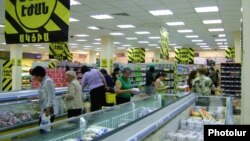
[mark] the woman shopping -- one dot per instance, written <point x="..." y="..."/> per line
<point x="159" y="83"/>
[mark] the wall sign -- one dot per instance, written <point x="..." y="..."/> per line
<point x="184" y="55"/>
<point x="36" y="21"/>
<point x="136" y="55"/>
<point x="104" y="63"/>
<point x="164" y="54"/>
<point x="7" y="75"/>
<point x="230" y="53"/>
<point x="60" y="51"/>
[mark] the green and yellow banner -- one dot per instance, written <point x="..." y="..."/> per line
<point x="164" y="44"/>
<point x="7" y="75"/>
<point x="136" y="55"/>
<point x="36" y="21"/>
<point x="184" y="55"/>
<point x="60" y="51"/>
<point x="230" y="53"/>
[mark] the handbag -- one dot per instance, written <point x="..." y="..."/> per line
<point x="45" y="120"/>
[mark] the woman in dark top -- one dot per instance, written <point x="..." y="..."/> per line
<point x="115" y="75"/>
<point x="108" y="79"/>
<point x="191" y="77"/>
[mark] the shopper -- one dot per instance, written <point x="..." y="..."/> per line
<point x="123" y="87"/>
<point x="213" y="76"/>
<point x="191" y="78"/>
<point x="159" y="83"/>
<point x="150" y="80"/>
<point x="73" y="97"/>
<point x="108" y="79"/>
<point x="97" y="86"/>
<point x="116" y="73"/>
<point x="203" y="85"/>
<point x="47" y="97"/>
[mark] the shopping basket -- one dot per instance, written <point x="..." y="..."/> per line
<point x="110" y="98"/>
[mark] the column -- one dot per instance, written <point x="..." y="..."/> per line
<point x="16" y="53"/>
<point x="107" y="53"/>
<point x="92" y="57"/>
<point x="245" y="89"/>
<point x="237" y="46"/>
<point x="157" y="55"/>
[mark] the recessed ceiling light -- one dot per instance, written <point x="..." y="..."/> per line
<point x="219" y="43"/>
<point x="74" y="2"/>
<point x="126" y="45"/>
<point x="223" y="46"/>
<point x="172" y="44"/>
<point x="197" y="40"/>
<point x="175" y="23"/>
<point x="81" y="40"/>
<point x="201" y="44"/>
<point x="97" y="43"/>
<point x="192" y="36"/>
<point x="222" y="35"/>
<point x="220" y="40"/>
<point x="73" y="44"/>
<point x="2" y="25"/>
<point x="206" y="9"/>
<point x="212" y="21"/>
<point x="185" y="31"/>
<point x="73" y="20"/>
<point x="154" y="37"/>
<point x="215" y="29"/>
<point x="87" y="46"/>
<point x="116" y="33"/>
<point x="142" y="32"/>
<point x="37" y="45"/>
<point x="93" y="28"/>
<point x="126" y="26"/>
<point x="116" y="43"/>
<point x="81" y="35"/>
<point x="97" y="39"/>
<point x="143" y="42"/>
<point x="101" y="17"/>
<point x="131" y="38"/>
<point x="160" y="12"/>
<point x="152" y="45"/>
<point x="1" y="49"/>
<point x="204" y="46"/>
<point x="158" y="47"/>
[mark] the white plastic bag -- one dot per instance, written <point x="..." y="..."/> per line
<point x="45" y="120"/>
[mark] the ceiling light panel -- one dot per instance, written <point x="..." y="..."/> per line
<point x="222" y="35"/>
<point x="73" y="20"/>
<point x="185" y="31"/>
<point x="192" y="36"/>
<point x="101" y="17"/>
<point x="212" y="21"/>
<point x="142" y="32"/>
<point x="93" y="28"/>
<point x="131" y="38"/>
<point x="127" y="45"/>
<point x="204" y="46"/>
<point x="175" y="23"/>
<point x="160" y="12"/>
<point x="154" y="37"/>
<point x="126" y="26"/>
<point x="74" y="2"/>
<point x="201" y="44"/>
<point x="220" y="40"/>
<point x="206" y="9"/>
<point x="2" y="25"/>
<point x="81" y="35"/>
<point x="152" y="45"/>
<point x="223" y="46"/>
<point x="197" y="41"/>
<point x="143" y="42"/>
<point x="116" y="43"/>
<point x="216" y="29"/>
<point x="81" y="40"/>
<point x="116" y="33"/>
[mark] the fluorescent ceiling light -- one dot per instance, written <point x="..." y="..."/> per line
<point x="81" y="40"/>
<point x="225" y="43"/>
<point x="175" y="23"/>
<point x="201" y="44"/>
<point x="160" y="12"/>
<point x="197" y="40"/>
<point x="143" y="42"/>
<point x="97" y="39"/>
<point x="81" y="35"/>
<point x="2" y="25"/>
<point x="152" y="45"/>
<point x="172" y="44"/>
<point x="87" y="46"/>
<point x="185" y="31"/>
<point x="74" y="2"/>
<point x="116" y="33"/>
<point x="131" y="38"/>
<point x="93" y="28"/>
<point x="206" y="9"/>
<point x="73" y="44"/>
<point x="212" y="21"/>
<point x="121" y="48"/>
<point x="219" y="43"/>
<point x="101" y="17"/>
<point x="192" y="36"/>
<point x="158" y="47"/>
<point x="126" y="26"/>
<point x="142" y="32"/>
<point x="177" y="46"/>
<point x="41" y="47"/>
<point x="2" y="49"/>
<point x="222" y="35"/>
<point x="37" y="45"/>
<point x="204" y="46"/>
<point x="116" y="43"/>
<point x="126" y="45"/>
<point x="154" y="37"/>
<point x="73" y="20"/>
<point x="223" y="46"/>
<point x="97" y="43"/>
<point x="215" y="29"/>
<point x="220" y="40"/>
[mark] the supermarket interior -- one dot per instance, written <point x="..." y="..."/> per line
<point x="153" y="70"/>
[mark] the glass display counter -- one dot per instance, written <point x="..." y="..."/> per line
<point x="149" y="118"/>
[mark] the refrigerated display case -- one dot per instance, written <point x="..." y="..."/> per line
<point x="150" y="118"/>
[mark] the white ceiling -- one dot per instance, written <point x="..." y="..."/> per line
<point x="229" y="13"/>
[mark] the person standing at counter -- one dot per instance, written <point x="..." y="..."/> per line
<point x="159" y="84"/>
<point x="115" y="75"/>
<point x="47" y="97"/>
<point x="97" y="86"/>
<point x="73" y="97"/>
<point x="150" y="80"/>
